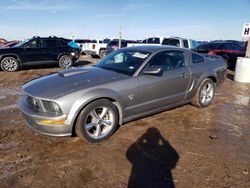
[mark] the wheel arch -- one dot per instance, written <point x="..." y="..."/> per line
<point x="111" y="99"/>
<point x="199" y="82"/>
<point x="101" y="49"/>
<point x="14" y="56"/>
<point x="61" y="54"/>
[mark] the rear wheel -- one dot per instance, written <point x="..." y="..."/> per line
<point x="97" y="121"/>
<point x="205" y="94"/>
<point x="65" y="61"/>
<point x="9" y="64"/>
<point x="102" y="53"/>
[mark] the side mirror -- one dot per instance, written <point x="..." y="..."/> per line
<point x="153" y="70"/>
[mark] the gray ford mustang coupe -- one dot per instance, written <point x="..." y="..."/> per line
<point x="125" y="85"/>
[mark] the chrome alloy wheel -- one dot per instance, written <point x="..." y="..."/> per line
<point x="9" y="64"/>
<point x="99" y="122"/>
<point x="207" y="93"/>
<point x="65" y="61"/>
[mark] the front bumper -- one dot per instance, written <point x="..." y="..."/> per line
<point x="32" y="119"/>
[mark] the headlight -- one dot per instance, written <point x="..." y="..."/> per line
<point x="51" y="106"/>
<point x="73" y="53"/>
<point x="33" y="102"/>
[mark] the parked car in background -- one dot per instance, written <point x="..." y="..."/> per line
<point x="96" y="48"/>
<point x="171" y="41"/>
<point x="2" y="41"/>
<point x="9" y="44"/>
<point x="127" y="84"/>
<point x="81" y="43"/>
<point x="114" y="44"/>
<point x="228" y="50"/>
<point x="39" y="50"/>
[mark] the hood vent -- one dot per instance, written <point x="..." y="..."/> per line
<point x="72" y="72"/>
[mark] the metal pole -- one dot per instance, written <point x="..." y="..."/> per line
<point x="120" y="38"/>
<point x="248" y="48"/>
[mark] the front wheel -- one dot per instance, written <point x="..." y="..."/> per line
<point x="9" y="64"/>
<point x="65" y="61"/>
<point x="205" y="94"/>
<point x="97" y="121"/>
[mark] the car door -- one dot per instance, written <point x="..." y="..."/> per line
<point x="32" y="51"/>
<point x="51" y="49"/>
<point x="238" y="50"/>
<point x="167" y="88"/>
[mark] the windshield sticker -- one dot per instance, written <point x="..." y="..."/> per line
<point x="140" y="55"/>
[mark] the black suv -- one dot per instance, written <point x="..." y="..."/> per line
<point x="39" y="50"/>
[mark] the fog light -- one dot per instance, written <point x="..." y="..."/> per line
<point x="50" y="122"/>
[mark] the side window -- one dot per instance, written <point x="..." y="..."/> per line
<point x="237" y="47"/>
<point x="185" y="43"/>
<point x="168" y="60"/>
<point x="62" y="43"/>
<point x="171" y="42"/>
<point x="226" y="46"/>
<point x="50" y="43"/>
<point x="150" y="40"/>
<point x="157" y="41"/>
<point x="197" y="59"/>
<point x="34" y="44"/>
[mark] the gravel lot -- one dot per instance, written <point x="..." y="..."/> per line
<point x="182" y="147"/>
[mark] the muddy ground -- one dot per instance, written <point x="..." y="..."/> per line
<point x="182" y="147"/>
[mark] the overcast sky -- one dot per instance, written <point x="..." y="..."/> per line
<point x="197" y="19"/>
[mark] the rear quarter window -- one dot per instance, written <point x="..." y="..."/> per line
<point x="171" y="42"/>
<point x="196" y="59"/>
<point x="185" y="43"/>
<point x="63" y="43"/>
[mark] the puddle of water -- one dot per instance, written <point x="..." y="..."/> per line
<point x="2" y="97"/>
<point x="9" y="91"/>
<point x="242" y="100"/>
<point x="5" y="108"/>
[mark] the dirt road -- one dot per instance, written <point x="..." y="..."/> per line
<point x="182" y="147"/>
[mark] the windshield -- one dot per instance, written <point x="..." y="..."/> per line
<point x="123" y="61"/>
<point x="21" y="43"/>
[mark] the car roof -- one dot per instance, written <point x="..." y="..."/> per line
<point x="155" y="48"/>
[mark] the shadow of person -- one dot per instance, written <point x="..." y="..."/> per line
<point x="152" y="159"/>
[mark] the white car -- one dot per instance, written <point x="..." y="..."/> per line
<point x="96" y="48"/>
<point x="81" y="43"/>
<point x="171" y="41"/>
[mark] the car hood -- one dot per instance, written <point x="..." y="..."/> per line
<point x="69" y="81"/>
<point x="4" y="50"/>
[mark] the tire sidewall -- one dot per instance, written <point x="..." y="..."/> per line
<point x="81" y="131"/>
<point x="60" y="63"/>
<point x="17" y="63"/>
<point x="102" y="53"/>
<point x="204" y="82"/>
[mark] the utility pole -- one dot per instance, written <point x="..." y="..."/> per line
<point x="120" y="38"/>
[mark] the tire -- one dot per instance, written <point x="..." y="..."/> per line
<point x="10" y="64"/>
<point x="97" y="121"/>
<point x="102" y="53"/>
<point x="94" y="56"/>
<point x="65" y="61"/>
<point x="205" y="94"/>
